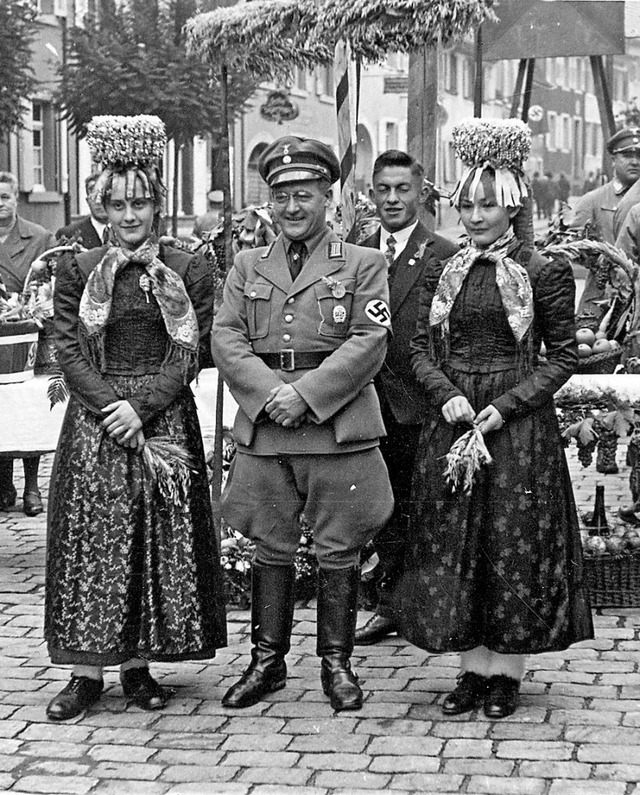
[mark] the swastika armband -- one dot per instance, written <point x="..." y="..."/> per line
<point x="378" y="311"/>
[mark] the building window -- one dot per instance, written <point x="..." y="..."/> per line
<point x="301" y="79"/>
<point x="325" y="81"/>
<point x="451" y="73"/>
<point x="467" y="78"/>
<point x="391" y="135"/>
<point x="565" y="143"/>
<point x="257" y="190"/>
<point x="37" y="138"/>
<point x="553" y="131"/>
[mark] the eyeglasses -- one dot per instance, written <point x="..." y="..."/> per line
<point x="299" y="197"/>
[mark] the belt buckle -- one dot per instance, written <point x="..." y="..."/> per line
<point x="287" y="360"/>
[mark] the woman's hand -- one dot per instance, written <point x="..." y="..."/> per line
<point x="122" y="423"/>
<point x="458" y="409"/>
<point x="489" y="419"/>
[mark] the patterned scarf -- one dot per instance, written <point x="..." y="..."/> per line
<point x="168" y="289"/>
<point x="512" y="280"/>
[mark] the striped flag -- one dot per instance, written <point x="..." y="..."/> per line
<point x="346" y="76"/>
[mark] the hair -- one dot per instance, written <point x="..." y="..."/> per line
<point x="10" y="179"/>
<point x="149" y="175"/>
<point x="395" y="158"/>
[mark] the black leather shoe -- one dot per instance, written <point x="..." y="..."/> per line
<point x="501" y="698"/>
<point x="78" y="695"/>
<point x="255" y="684"/>
<point x="143" y="690"/>
<point x="340" y="683"/>
<point x="8" y="498"/>
<point x="32" y="504"/>
<point x="376" y="628"/>
<point x="468" y="693"/>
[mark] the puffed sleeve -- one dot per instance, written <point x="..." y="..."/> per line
<point x="435" y="383"/>
<point x="554" y="302"/>
<point x="163" y="389"/>
<point x="84" y="381"/>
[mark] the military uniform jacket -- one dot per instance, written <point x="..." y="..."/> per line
<point x="598" y="208"/>
<point x="337" y="306"/>
<point x="396" y="382"/>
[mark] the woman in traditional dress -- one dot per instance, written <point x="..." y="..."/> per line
<point x="132" y="562"/>
<point x="494" y="571"/>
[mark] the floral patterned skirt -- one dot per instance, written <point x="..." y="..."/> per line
<point x="502" y="566"/>
<point x="129" y="573"/>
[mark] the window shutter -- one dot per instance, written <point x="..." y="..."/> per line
<point x="25" y="162"/>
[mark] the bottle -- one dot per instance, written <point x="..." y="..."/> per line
<point x="597" y="522"/>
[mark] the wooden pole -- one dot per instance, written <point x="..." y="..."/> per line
<point x="526" y="96"/>
<point x="517" y="91"/>
<point x="605" y="107"/>
<point x="478" y="87"/>
<point x="216" y="482"/>
<point x="422" y="115"/>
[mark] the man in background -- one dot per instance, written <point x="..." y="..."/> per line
<point x="21" y="242"/>
<point x="409" y="248"/>
<point x="90" y="231"/>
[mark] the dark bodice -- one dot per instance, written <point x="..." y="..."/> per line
<point x="135" y="337"/>
<point x="481" y="339"/>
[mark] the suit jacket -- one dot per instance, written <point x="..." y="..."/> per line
<point x="83" y="231"/>
<point x="396" y="382"/>
<point x="337" y="306"/>
<point x="26" y="241"/>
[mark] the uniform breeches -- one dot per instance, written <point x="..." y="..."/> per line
<point x="345" y="499"/>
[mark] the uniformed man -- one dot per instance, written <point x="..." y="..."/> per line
<point x="300" y="335"/>
<point x="409" y="247"/>
<point x="605" y="208"/>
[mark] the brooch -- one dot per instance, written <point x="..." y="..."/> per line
<point x="145" y="285"/>
<point x="337" y="288"/>
<point x="339" y="314"/>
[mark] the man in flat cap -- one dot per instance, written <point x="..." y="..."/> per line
<point x="300" y="335"/>
<point x="604" y="208"/>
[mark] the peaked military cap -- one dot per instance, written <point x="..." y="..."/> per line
<point x="293" y="159"/>
<point x="623" y="140"/>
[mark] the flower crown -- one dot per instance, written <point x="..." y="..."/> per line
<point x="121" y="141"/>
<point x="500" y="144"/>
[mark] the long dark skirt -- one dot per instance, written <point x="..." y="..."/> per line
<point x="500" y="567"/>
<point x="129" y="574"/>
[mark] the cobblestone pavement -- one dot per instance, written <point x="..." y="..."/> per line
<point x="577" y="731"/>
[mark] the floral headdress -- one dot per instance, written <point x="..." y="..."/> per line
<point x="502" y="145"/>
<point x="131" y="146"/>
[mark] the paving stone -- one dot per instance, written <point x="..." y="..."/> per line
<point x="62" y="750"/>
<point x="76" y="785"/>
<point x="121" y="753"/>
<point x="426" y="782"/>
<point x="323" y="743"/>
<point x="120" y="787"/>
<point x="514" y="749"/>
<point x="493" y="785"/>
<point x="553" y="770"/>
<point x="199" y="773"/>
<point x="291" y="777"/>
<point x="479" y="767"/>
<point x="566" y="787"/>
<point x="344" y="780"/>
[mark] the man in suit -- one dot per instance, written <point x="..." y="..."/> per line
<point x="90" y="231"/>
<point x="299" y="337"/>
<point x="21" y="242"/>
<point x="409" y="247"/>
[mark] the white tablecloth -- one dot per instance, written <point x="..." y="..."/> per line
<point x="28" y="424"/>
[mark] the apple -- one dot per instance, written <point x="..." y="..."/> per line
<point x="601" y="346"/>
<point x="586" y="336"/>
<point x="615" y="345"/>
<point x="615" y="545"/>
<point x="601" y="335"/>
<point x="595" y="545"/>
<point x="584" y="350"/>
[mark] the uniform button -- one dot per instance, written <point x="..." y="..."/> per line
<point x="252" y="294"/>
<point x="288" y="318"/>
<point x="290" y="300"/>
<point x="286" y="337"/>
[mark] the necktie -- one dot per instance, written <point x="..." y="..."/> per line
<point x="105" y="235"/>
<point x="390" y="253"/>
<point x="297" y="257"/>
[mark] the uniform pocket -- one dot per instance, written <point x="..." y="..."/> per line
<point x="334" y="304"/>
<point x="257" y="297"/>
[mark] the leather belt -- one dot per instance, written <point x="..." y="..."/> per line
<point x="289" y="360"/>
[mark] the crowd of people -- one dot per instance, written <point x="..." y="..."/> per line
<point x="358" y="371"/>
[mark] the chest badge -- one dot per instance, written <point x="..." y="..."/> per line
<point x="339" y="314"/>
<point x="337" y="288"/>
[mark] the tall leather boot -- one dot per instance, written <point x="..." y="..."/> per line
<point x="337" y="614"/>
<point x="272" y="603"/>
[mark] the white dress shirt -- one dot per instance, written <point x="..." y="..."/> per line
<point x="401" y="237"/>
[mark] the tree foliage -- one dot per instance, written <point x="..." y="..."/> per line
<point x="132" y="60"/>
<point x="17" y="80"/>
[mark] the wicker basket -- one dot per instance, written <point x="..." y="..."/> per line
<point x="614" y="580"/>
<point x="600" y="363"/>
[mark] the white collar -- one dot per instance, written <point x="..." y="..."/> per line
<point x="401" y="236"/>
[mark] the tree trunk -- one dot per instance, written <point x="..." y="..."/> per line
<point x="174" y="190"/>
